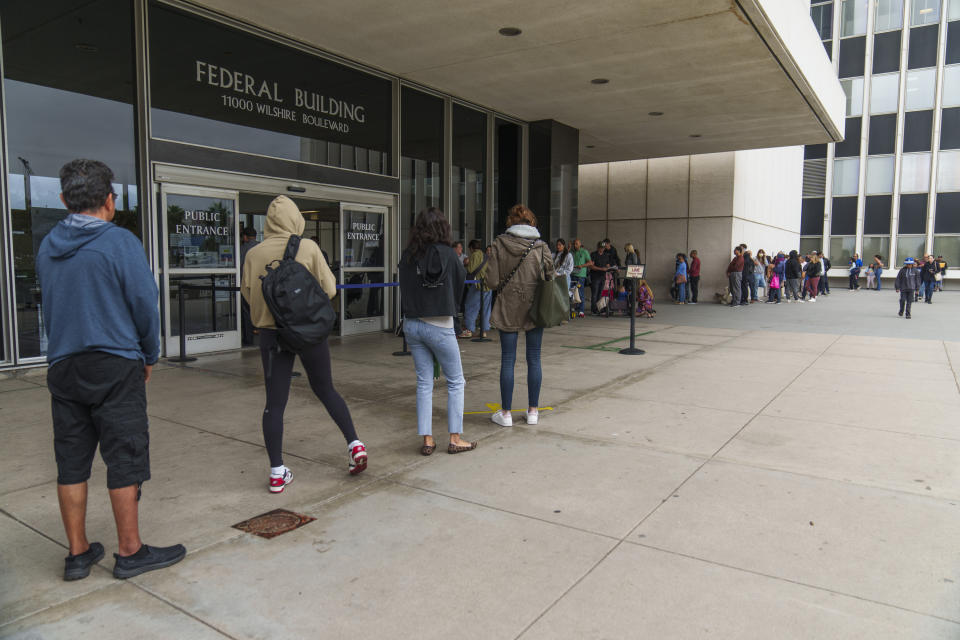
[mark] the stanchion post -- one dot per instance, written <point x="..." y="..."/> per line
<point x="181" y="306"/>
<point x="632" y="349"/>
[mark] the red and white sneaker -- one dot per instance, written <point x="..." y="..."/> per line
<point x="358" y="457"/>
<point x="277" y="483"/>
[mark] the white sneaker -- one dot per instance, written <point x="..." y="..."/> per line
<point x="504" y="419"/>
<point x="532" y="417"/>
<point x="278" y="483"/>
<point x="813" y="299"/>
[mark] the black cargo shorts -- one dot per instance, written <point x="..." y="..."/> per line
<point x="100" y="398"/>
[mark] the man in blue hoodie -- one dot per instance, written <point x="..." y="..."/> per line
<point x="103" y="328"/>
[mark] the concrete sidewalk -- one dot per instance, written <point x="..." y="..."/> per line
<point x="754" y="475"/>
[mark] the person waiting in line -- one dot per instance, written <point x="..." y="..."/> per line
<point x="928" y="278"/>
<point x="812" y="273"/>
<point x="735" y="275"/>
<point x="773" y="285"/>
<point x="680" y="279"/>
<point x="906" y="284"/>
<point x="760" y="271"/>
<point x="581" y="263"/>
<point x="748" y="285"/>
<point x="942" y="265"/>
<point x="825" y="265"/>
<point x="246" y="326"/>
<point x="458" y="326"/>
<point x="854" y="270"/>
<point x="693" y="277"/>
<point x="563" y="261"/>
<point x="630" y="257"/>
<point x="479" y="297"/>
<point x="793" y="272"/>
<point x="521" y="260"/>
<point x="877" y="265"/>
<point x="432" y="276"/>
<point x="645" y="300"/>
<point x="602" y="261"/>
<point x="283" y="221"/>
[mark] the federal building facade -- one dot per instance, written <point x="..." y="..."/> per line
<point x="365" y="115"/>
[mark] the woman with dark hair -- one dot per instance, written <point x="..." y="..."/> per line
<point x="563" y="261"/>
<point x="521" y="260"/>
<point x="478" y="295"/>
<point x="680" y="279"/>
<point x="431" y="281"/>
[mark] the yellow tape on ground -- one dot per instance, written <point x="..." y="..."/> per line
<point x="493" y="407"/>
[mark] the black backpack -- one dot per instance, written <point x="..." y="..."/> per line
<point x="301" y="309"/>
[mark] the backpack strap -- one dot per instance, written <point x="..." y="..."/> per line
<point x="293" y="246"/>
<point x="512" y="273"/>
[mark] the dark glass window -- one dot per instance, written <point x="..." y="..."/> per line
<point x="949" y="128"/>
<point x="811" y="217"/>
<point x="852" y="54"/>
<point x="886" y="52"/>
<point x="851" y="139"/>
<point x="69" y="93"/>
<point x="843" y="218"/>
<point x="469" y="218"/>
<point x="948" y="213"/>
<point x="822" y="16"/>
<point x="507" y="167"/>
<point x="953" y="42"/>
<point x="421" y="155"/>
<point x="913" y="213"/>
<point x="917" y="130"/>
<point x="923" y="47"/>
<point x="232" y="90"/>
<point x="814" y="151"/>
<point x="876" y="214"/>
<point x="828" y="45"/>
<point x="883" y="134"/>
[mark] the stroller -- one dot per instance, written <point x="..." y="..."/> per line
<point x="607" y="294"/>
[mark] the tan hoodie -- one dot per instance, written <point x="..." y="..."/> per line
<point x="283" y="220"/>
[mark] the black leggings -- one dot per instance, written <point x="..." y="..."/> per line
<point x="277" y="367"/>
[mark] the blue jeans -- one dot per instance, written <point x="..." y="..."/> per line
<point x="477" y="302"/>
<point x="878" y="272"/>
<point x="579" y="283"/>
<point x="753" y="281"/>
<point x="426" y="343"/>
<point x="927" y="289"/>
<point x="681" y="292"/>
<point x="508" y="359"/>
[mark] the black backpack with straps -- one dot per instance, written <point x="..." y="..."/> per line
<point x="301" y="308"/>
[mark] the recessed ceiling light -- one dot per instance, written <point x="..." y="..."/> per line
<point x="599" y="81"/>
<point x="510" y="31"/>
<point x="696" y="135"/>
<point x="655" y="113"/>
<point x="84" y="46"/>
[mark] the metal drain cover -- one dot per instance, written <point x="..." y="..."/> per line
<point x="273" y="523"/>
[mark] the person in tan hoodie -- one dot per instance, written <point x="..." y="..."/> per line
<point x="521" y="248"/>
<point x="283" y="220"/>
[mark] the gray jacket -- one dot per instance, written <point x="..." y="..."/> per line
<point x="908" y="279"/>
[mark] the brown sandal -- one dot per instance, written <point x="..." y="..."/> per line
<point x="453" y="448"/>
<point x="427" y="449"/>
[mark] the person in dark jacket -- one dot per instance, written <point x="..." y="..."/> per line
<point x="793" y="272"/>
<point x="928" y="277"/>
<point x="694" y="277"/>
<point x="735" y="277"/>
<point x="431" y="282"/>
<point x="100" y="310"/>
<point x="824" y="286"/>
<point x="908" y="281"/>
<point x="748" y="287"/>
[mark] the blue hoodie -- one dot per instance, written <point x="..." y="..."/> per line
<point x="98" y="292"/>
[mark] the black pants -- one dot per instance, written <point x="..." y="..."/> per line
<point x="745" y="287"/>
<point x="906" y="298"/>
<point x="824" y="286"/>
<point x="694" y="287"/>
<point x="854" y="282"/>
<point x="277" y="367"/>
<point x="596" y="286"/>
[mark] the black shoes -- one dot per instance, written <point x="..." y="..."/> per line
<point x="78" y="567"/>
<point x="900" y="313"/>
<point x="147" y="559"/>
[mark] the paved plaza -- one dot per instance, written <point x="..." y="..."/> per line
<point x="777" y="472"/>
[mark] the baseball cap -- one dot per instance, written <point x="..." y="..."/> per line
<point x="909" y="261"/>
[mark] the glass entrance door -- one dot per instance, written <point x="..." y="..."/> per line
<point x="362" y="264"/>
<point x="200" y="263"/>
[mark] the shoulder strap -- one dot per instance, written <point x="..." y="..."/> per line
<point x="519" y="262"/>
<point x="293" y="245"/>
<point x="471" y="274"/>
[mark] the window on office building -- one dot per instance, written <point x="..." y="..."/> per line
<point x="876" y="214"/>
<point x="951" y="86"/>
<point x="949" y="248"/>
<point x="923" y="47"/>
<point x="853" y="17"/>
<point x="883" y="134"/>
<point x="910" y="247"/>
<point x="469" y="219"/>
<point x="811" y="217"/>
<point x="948" y="171"/>
<point x="917" y="131"/>
<point x="822" y="15"/>
<point x="876" y="246"/>
<point x="853" y="89"/>
<point x="421" y="155"/>
<point x="913" y="213"/>
<point x="948" y="214"/>
<point x="889" y="15"/>
<point x="814" y="178"/>
<point x="852" y="51"/>
<point x="841" y="249"/>
<point x="915" y="173"/>
<point x="850" y="146"/>
<point x="953" y="43"/>
<point x="886" y="52"/>
<point x="924" y="12"/>
<point x="953" y="12"/>
<point x="810" y="243"/>
<point x="884" y="92"/>
<point x="880" y="174"/>
<point x="846" y="175"/>
<point x="950" y="128"/>
<point x="843" y="218"/>
<point x="920" y="89"/>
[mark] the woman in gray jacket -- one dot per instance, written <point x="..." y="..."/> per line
<point x="520" y="261"/>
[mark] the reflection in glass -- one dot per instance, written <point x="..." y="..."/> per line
<point x="842" y="249"/>
<point x="853" y="21"/>
<point x="62" y="102"/>
<point x="884" y="90"/>
<point x="876" y="246"/>
<point x="364" y="302"/>
<point x="469" y="219"/>
<point x="949" y="248"/>
<point x="508" y="140"/>
<point x="421" y="156"/>
<point x="811" y="243"/>
<point x="951" y="86"/>
<point x="201" y="232"/>
<point x="924" y="12"/>
<point x="822" y="16"/>
<point x="846" y="176"/>
<point x="880" y="174"/>
<point x="920" y="86"/>
<point x="853" y="88"/>
<point x="915" y="173"/>
<point x="910" y="247"/>
<point x="204" y="311"/>
<point x="889" y="15"/>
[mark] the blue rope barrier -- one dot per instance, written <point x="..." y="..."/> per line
<point x="374" y="285"/>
